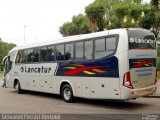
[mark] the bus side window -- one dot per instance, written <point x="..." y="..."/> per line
<point x="100" y="45"/>
<point x="29" y="55"/>
<point x="24" y="56"/>
<point x="105" y="47"/>
<point x="50" y="53"/>
<point x="21" y="56"/>
<point x="100" y="48"/>
<point x="43" y="54"/>
<point x="111" y="45"/>
<point x="79" y="51"/>
<point x="69" y="54"/>
<point x="89" y="50"/>
<point x="18" y="57"/>
<point x="60" y="52"/>
<point x="36" y="55"/>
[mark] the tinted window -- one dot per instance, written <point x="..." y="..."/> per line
<point x="18" y="57"/>
<point x="100" y="44"/>
<point x="111" y="44"/>
<point x="24" y="56"/>
<point x="29" y="55"/>
<point x="105" y="47"/>
<point x="79" y="50"/>
<point x="88" y="50"/>
<point x="21" y="56"/>
<point x="51" y="53"/>
<point x="36" y="55"/>
<point x="69" y="51"/>
<point x="141" y="39"/>
<point x="43" y="54"/>
<point x="60" y="52"/>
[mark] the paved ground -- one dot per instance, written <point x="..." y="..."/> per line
<point x="157" y="94"/>
<point x="40" y="103"/>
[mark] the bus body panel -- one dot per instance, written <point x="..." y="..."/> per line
<point x="122" y="70"/>
<point x="95" y="78"/>
<point x="122" y="51"/>
<point x="104" y="89"/>
<point x="78" y="87"/>
<point x="37" y="77"/>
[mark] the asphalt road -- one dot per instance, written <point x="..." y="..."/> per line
<point x="82" y="109"/>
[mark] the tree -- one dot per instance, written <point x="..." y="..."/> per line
<point x="4" y="49"/>
<point x="151" y="20"/>
<point x="146" y="20"/>
<point x="95" y="12"/>
<point x="0" y="53"/>
<point x="109" y="14"/>
<point x="79" y="25"/>
<point x="135" y="11"/>
<point x="156" y="3"/>
<point x="68" y="29"/>
<point x="121" y="10"/>
<point x="124" y="14"/>
<point x="82" y="24"/>
<point x="156" y="12"/>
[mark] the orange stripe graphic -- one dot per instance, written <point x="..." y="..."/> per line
<point x="98" y="70"/>
<point x="77" y="65"/>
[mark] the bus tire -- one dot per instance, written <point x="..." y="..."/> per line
<point x="18" y="87"/>
<point x="67" y="93"/>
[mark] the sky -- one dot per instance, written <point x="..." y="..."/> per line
<point x="41" y="18"/>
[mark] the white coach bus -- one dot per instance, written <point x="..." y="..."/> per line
<point x="116" y="64"/>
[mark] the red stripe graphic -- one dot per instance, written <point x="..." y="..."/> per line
<point x="81" y="69"/>
<point x="143" y="63"/>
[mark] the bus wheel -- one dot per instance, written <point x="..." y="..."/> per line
<point x="67" y="93"/>
<point x="18" y="87"/>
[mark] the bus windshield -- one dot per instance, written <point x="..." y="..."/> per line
<point x="141" y="39"/>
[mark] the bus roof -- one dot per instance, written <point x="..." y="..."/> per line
<point x="75" y="38"/>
